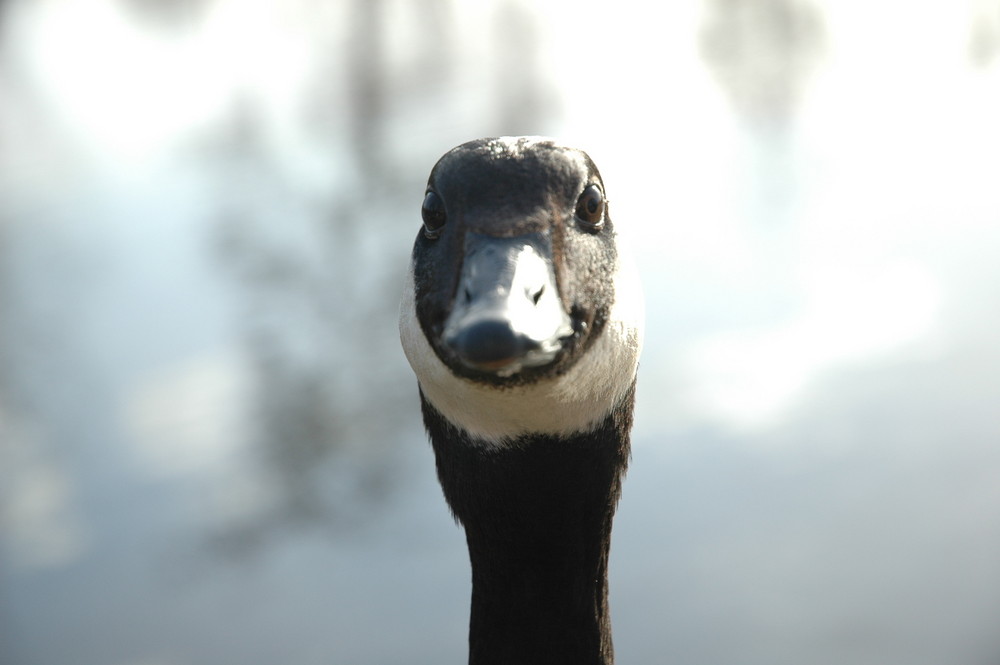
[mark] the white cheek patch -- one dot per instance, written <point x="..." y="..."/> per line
<point x="574" y="402"/>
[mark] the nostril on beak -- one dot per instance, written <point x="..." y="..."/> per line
<point x="537" y="295"/>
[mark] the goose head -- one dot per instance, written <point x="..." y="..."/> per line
<point x="520" y="312"/>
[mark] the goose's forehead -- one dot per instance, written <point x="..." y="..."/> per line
<point x="486" y="170"/>
<point x="489" y="184"/>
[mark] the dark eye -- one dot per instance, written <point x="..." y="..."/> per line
<point x="590" y="208"/>
<point x="434" y="215"/>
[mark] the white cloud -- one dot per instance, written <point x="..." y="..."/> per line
<point x="749" y="377"/>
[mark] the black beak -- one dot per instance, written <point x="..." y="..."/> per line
<point x="507" y="313"/>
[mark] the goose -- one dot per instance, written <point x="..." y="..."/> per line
<point x="522" y="320"/>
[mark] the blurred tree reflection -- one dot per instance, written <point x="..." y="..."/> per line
<point x="166" y="13"/>
<point x="521" y="99"/>
<point x="984" y="39"/>
<point x="317" y="328"/>
<point x="318" y="250"/>
<point x="762" y="52"/>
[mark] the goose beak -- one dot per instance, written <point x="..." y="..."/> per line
<point x="507" y="314"/>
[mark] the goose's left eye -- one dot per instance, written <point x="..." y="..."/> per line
<point x="434" y="215"/>
<point x="590" y="208"/>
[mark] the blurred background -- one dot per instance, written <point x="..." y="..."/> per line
<point x="210" y="446"/>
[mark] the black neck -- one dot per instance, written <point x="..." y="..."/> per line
<point x="537" y="517"/>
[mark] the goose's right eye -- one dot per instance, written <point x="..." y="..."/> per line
<point x="434" y="215"/>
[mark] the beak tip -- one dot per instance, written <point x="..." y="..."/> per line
<point x="488" y="345"/>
